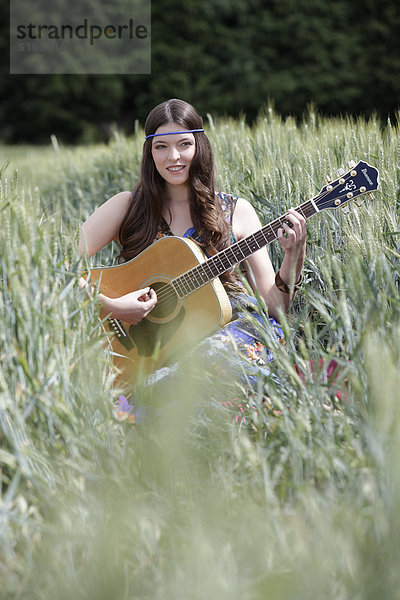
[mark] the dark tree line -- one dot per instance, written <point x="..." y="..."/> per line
<point x="226" y="57"/>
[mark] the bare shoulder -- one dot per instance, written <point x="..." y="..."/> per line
<point x="104" y="224"/>
<point x="125" y="196"/>
<point x="122" y="200"/>
<point x="243" y="207"/>
<point x="245" y="219"/>
<point x="114" y="208"/>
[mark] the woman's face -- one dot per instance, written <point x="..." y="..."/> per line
<point x="173" y="154"/>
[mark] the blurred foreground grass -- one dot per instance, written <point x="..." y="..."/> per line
<point x="294" y="496"/>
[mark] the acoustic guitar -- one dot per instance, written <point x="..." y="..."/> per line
<point x="192" y="302"/>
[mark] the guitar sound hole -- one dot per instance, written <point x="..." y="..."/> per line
<point x="166" y="300"/>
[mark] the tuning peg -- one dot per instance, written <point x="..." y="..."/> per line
<point x="359" y="201"/>
<point x="345" y="209"/>
<point x="352" y="164"/>
<point x="328" y="178"/>
<point x="372" y="196"/>
<point x="340" y="172"/>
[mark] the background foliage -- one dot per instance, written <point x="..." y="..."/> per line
<point x="224" y="490"/>
<point x="226" y="57"/>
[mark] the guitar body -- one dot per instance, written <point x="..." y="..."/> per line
<point x="174" y="322"/>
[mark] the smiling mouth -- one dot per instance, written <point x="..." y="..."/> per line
<point x="176" y="169"/>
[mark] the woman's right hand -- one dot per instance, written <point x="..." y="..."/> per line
<point x="132" y="307"/>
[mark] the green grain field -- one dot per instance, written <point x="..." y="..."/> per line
<point x="296" y="495"/>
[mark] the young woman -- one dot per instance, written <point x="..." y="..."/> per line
<point x="176" y="195"/>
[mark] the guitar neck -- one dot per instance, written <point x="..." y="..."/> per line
<point x="218" y="264"/>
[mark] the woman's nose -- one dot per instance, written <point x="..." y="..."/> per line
<point x="174" y="153"/>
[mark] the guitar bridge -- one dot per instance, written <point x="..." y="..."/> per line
<point x="119" y="330"/>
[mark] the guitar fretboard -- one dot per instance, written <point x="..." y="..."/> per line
<point x="213" y="267"/>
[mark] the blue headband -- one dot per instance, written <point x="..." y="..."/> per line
<point x="173" y="132"/>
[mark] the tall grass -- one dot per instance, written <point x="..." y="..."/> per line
<point x="278" y="489"/>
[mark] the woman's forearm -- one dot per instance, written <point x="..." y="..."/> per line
<point x="289" y="275"/>
<point x="107" y="304"/>
<point x="292" y="266"/>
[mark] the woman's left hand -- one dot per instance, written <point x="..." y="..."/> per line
<point x="293" y="237"/>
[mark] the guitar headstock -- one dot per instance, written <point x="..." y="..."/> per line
<point x="359" y="180"/>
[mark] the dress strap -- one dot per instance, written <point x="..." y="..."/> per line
<point x="228" y="205"/>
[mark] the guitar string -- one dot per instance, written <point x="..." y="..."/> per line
<point x="168" y="291"/>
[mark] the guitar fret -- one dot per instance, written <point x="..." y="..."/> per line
<point x="247" y="241"/>
<point x="300" y="209"/>
<point x="206" y="272"/>
<point x="203" y="275"/>
<point x="177" y="287"/>
<point x="236" y="248"/>
<point x="221" y="264"/>
<point x="184" y="286"/>
<point x="311" y="208"/>
<point x="194" y="279"/>
<point x="196" y="276"/>
<point x="267" y="235"/>
<point x="226" y="261"/>
<point x="273" y="232"/>
<point x="231" y="256"/>
<point x="253" y="245"/>
<point x="243" y="242"/>
<point x="263" y="234"/>
<point x="263" y="238"/>
<point x="260" y="239"/>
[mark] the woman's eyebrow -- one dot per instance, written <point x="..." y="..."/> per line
<point x="160" y="139"/>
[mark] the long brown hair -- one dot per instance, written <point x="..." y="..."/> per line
<point x="142" y="220"/>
